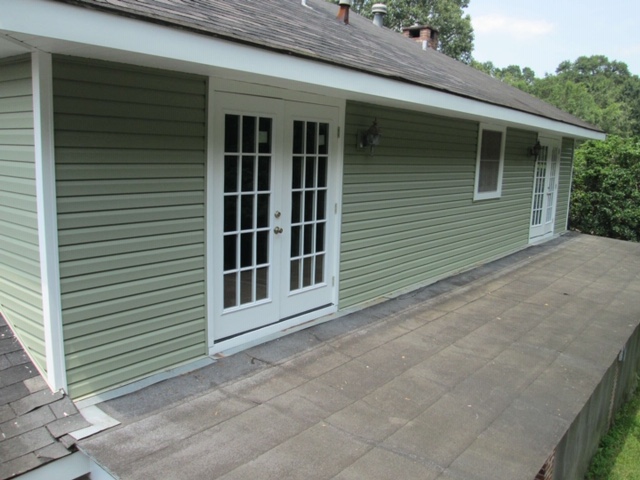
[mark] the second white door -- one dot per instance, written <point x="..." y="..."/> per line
<point x="545" y="186"/>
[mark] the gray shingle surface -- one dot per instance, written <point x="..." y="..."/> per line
<point x="52" y="452"/>
<point x="19" y="465"/>
<point x="17" y="446"/>
<point x="31" y="416"/>
<point x="64" y="408"/>
<point x="460" y="381"/>
<point x="69" y="424"/>
<point x="314" y="33"/>
<point x="35" y="400"/>
<point x="24" y="423"/>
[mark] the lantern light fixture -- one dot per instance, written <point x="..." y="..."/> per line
<point x="535" y="150"/>
<point x="371" y="137"/>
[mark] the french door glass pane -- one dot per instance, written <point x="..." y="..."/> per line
<point x="247" y="198"/>
<point x="308" y="203"/>
<point x="552" y="185"/>
<point x="539" y="188"/>
<point x="231" y="133"/>
<point x="490" y="160"/>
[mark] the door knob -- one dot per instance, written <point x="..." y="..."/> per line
<point x="278" y="230"/>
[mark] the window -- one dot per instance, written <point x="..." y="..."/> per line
<point x="490" y="162"/>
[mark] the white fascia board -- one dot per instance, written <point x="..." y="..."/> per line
<point x="70" y="467"/>
<point x="41" y="69"/>
<point x="66" y="468"/>
<point x="61" y="28"/>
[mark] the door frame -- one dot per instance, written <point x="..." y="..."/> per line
<point x="550" y="143"/>
<point x="269" y="332"/>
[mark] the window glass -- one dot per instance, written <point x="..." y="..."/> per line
<point x="490" y="164"/>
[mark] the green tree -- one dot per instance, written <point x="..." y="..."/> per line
<point x="598" y="90"/>
<point x="606" y="188"/>
<point x="447" y="16"/>
<point x="608" y="82"/>
<point x="522" y="78"/>
<point x="570" y="96"/>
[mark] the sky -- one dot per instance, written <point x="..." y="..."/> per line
<point x="540" y="34"/>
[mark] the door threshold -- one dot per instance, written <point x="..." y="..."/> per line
<point x="229" y="346"/>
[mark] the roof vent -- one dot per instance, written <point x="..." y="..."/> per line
<point x="343" y="13"/>
<point x="379" y="10"/>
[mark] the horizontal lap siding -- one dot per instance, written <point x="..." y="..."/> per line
<point x="564" y="186"/>
<point x="130" y="169"/>
<point x="408" y="210"/>
<point x="20" y="288"/>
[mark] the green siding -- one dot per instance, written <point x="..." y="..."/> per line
<point x="408" y="211"/>
<point x="564" y="186"/>
<point x="130" y="173"/>
<point x="20" y="288"/>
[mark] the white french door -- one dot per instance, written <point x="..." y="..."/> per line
<point x="545" y="187"/>
<point x="273" y="211"/>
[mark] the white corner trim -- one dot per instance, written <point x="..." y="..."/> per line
<point x="41" y="70"/>
<point x="210" y="283"/>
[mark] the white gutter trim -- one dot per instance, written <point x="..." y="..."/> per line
<point x="65" y="468"/>
<point x="69" y="468"/>
<point x="164" y="47"/>
<point x="41" y="70"/>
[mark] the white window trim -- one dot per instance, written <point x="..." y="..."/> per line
<point x="497" y="193"/>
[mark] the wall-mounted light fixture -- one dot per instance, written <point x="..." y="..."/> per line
<point x="371" y="137"/>
<point x="535" y="150"/>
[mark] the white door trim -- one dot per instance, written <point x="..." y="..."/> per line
<point x="288" y="325"/>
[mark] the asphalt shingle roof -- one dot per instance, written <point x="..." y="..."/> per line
<point x="313" y="32"/>
<point x="34" y="422"/>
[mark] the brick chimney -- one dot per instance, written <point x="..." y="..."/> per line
<point x="424" y="34"/>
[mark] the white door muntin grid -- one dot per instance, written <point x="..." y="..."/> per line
<point x="545" y="185"/>
<point x="271" y="234"/>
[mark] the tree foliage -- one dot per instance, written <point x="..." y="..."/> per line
<point x="447" y="16"/>
<point x="522" y="78"/>
<point x="595" y="89"/>
<point x="606" y="188"/>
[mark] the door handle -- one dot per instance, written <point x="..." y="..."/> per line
<point x="278" y="230"/>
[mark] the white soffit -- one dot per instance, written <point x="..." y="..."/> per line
<point x="65" y="29"/>
<point x="9" y="47"/>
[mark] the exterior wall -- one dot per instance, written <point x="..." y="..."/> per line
<point x="20" y="288"/>
<point x="577" y="447"/>
<point x="408" y="212"/>
<point x="564" y="186"/>
<point x="130" y="173"/>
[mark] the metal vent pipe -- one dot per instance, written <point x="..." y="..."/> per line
<point x="379" y="10"/>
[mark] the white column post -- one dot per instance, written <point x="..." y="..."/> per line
<point x="42" y="78"/>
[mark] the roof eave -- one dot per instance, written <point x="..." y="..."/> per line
<point x="64" y="28"/>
